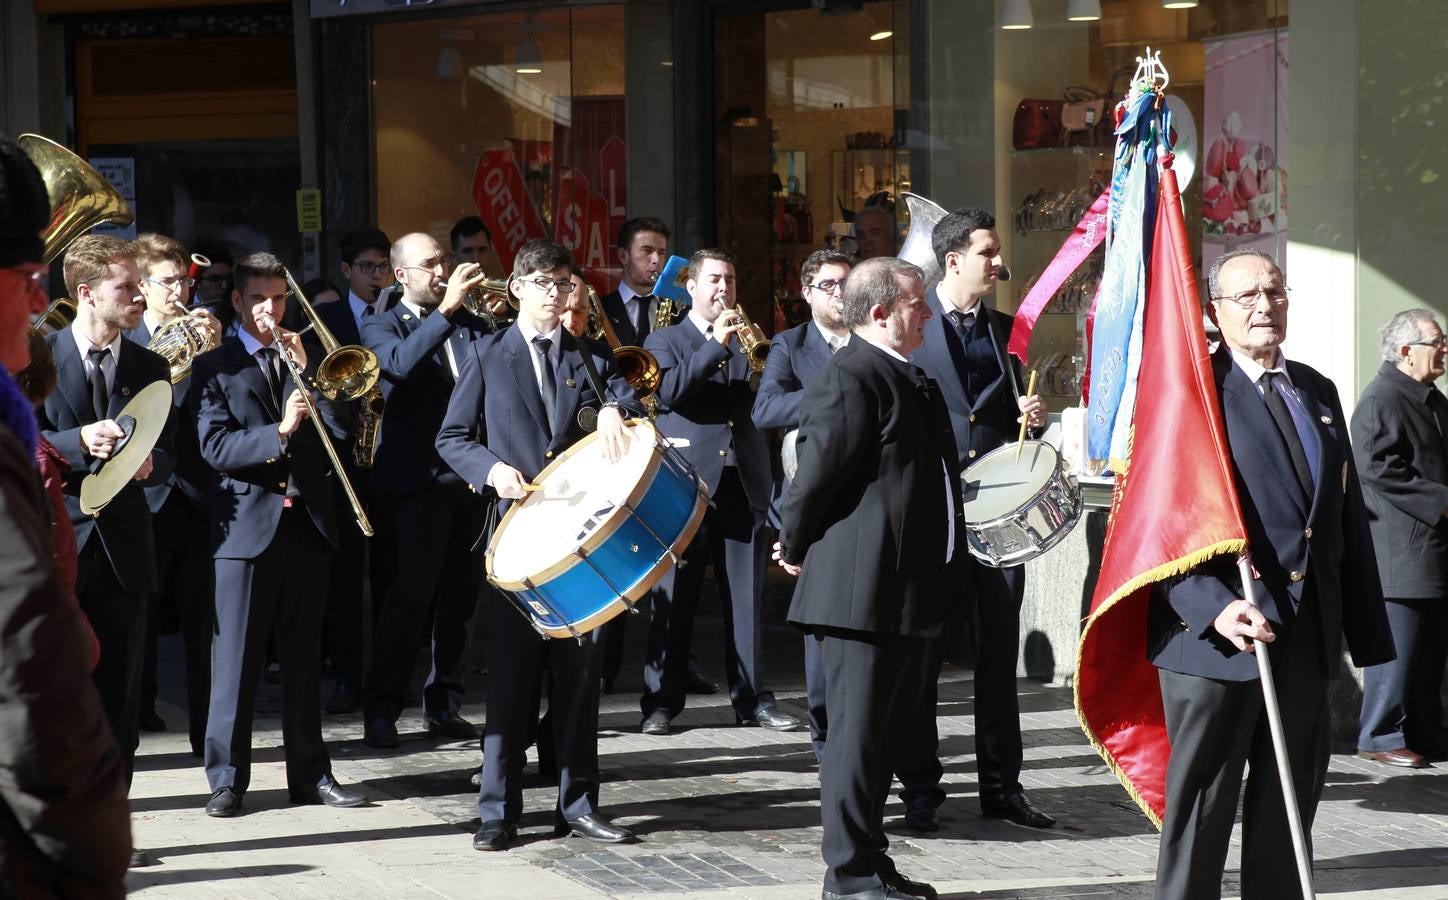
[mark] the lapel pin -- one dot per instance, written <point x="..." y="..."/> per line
<point x="569" y="382"/>
<point x="125" y="391"/>
<point x="407" y="317"/>
<point x="1327" y="420"/>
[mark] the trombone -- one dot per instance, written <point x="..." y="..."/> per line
<point x="345" y="373"/>
<point x="637" y="365"/>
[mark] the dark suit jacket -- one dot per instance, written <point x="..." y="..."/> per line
<point x="416" y="382"/>
<point x="992" y="420"/>
<point x="192" y="475"/>
<point x="337" y="317"/>
<point x="705" y="398"/>
<point x="236" y="424"/>
<point x="124" y="526"/>
<point x="64" y="824"/>
<point x="617" y="312"/>
<point x="496" y="413"/>
<point x="796" y="356"/>
<point x="868" y="512"/>
<point x="1291" y="543"/>
<point x="1403" y="462"/>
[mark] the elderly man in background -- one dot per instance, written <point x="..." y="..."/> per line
<point x="1398" y="434"/>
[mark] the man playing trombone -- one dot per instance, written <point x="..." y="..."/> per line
<point x="274" y="528"/>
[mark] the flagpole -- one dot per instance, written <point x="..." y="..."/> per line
<point x="1279" y="743"/>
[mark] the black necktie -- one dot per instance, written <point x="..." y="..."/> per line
<point x="100" y="394"/>
<point x="271" y="367"/>
<point x="549" y="384"/>
<point x="642" y="327"/>
<point x="1288" y="429"/>
<point x="367" y="310"/>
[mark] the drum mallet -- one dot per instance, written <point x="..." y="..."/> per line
<point x="1030" y="392"/>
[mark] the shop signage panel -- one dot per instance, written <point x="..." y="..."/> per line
<point x="504" y="204"/>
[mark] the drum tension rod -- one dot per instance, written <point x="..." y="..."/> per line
<point x="543" y="601"/>
<point x="606" y="580"/>
<point x="653" y="534"/>
<point x="683" y="468"/>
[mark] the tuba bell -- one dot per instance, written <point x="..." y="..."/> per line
<point x="918" y="248"/>
<point x="80" y="197"/>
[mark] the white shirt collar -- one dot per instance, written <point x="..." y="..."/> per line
<point x="152" y="320"/>
<point x="699" y="322"/>
<point x="358" y="306"/>
<point x="947" y="307"/>
<point x="250" y="343"/>
<point x="1253" y="369"/>
<point x="827" y="335"/>
<point x="882" y="348"/>
<point x="526" y="329"/>
<point x="85" y="345"/>
<point x="627" y="293"/>
<point x="415" y="309"/>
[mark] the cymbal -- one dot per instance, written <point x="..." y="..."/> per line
<point x="142" y="419"/>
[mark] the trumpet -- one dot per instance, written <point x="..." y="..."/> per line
<point x="362" y="521"/>
<point x="637" y="365"/>
<point x="752" y="342"/>
<point x="476" y="300"/>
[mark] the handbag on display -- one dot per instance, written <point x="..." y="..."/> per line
<point x="1037" y="124"/>
<point x="1082" y="117"/>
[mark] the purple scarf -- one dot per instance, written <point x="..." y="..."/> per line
<point x="17" y="413"/>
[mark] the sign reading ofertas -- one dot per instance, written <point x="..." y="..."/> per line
<point x="504" y="204"/>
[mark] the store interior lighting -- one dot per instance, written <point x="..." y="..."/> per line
<point x="1016" y="15"/>
<point x="881" y="35"/>
<point x="529" y="60"/>
<point x="1179" y="4"/>
<point x="1083" y="10"/>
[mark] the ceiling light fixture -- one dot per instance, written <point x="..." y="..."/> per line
<point x="1083" y="10"/>
<point x="1179" y="4"/>
<point x="881" y="35"/>
<point x="529" y="60"/>
<point x="1016" y="15"/>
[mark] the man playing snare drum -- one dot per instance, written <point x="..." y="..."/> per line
<point x="965" y="352"/>
<point x="514" y="409"/>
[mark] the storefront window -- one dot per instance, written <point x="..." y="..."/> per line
<point x="522" y="107"/>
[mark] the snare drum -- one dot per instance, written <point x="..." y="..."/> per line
<point x="1015" y="511"/>
<point x="596" y="536"/>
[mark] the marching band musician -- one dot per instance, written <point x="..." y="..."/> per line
<point x="574" y="312"/>
<point x="179" y="504"/>
<point x="365" y="266"/>
<point x="643" y="248"/>
<point x="705" y="401"/>
<point x="795" y="358"/>
<point x="965" y="353"/>
<point x="514" y="408"/>
<point x="274" y="528"/>
<point x="433" y="519"/>
<point x="97" y="371"/>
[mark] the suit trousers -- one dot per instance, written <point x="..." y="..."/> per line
<point x="184" y="570"/>
<point x="515" y="654"/>
<point x="346" y="627"/>
<point x="733" y="538"/>
<point x="118" y="618"/>
<point x="436" y="582"/>
<point x="1401" y="701"/>
<point x="869" y="679"/>
<point x="998" y="751"/>
<point x="1215" y="727"/>
<point x="281" y="591"/>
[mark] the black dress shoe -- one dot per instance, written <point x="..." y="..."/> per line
<point x="696" y="683"/>
<point x="495" y="835"/>
<point x="152" y="722"/>
<point x="595" y="827"/>
<point x="380" y="733"/>
<point x="656" y="722"/>
<point x="475" y="778"/>
<point x="924" y="818"/>
<point x="140" y="859"/>
<point x="904" y="887"/>
<point x="448" y="724"/>
<point x="1014" y="807"/>
<point x="332" y="794"/>
<point x="343" y="700"/>
<point x="774" y="720"/>
<point x="223" y="804"/>
<point x="885" y="892"/>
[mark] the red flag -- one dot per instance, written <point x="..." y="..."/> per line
<point x="1174" y="508"/>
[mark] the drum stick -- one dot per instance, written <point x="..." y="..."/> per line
<point x="530" y="488"/>
<point x="1030" y="392"/>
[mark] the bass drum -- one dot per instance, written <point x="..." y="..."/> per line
<point x="1016" y="510"/>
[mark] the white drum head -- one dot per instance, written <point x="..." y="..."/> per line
<point x="581" y="491"/>
<point x="997" y="484"/>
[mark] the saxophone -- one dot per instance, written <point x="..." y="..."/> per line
<point x="369" y="423"/>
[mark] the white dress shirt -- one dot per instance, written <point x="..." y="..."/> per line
<point x="359" y="307"/>
<point x="555" y="354"/>
<point x="108" y="364"/>
<point x="253" y="349"/>
<point x="452" y="362"/>
<point x="632" y="300"/>
<point x="707" y="329"/>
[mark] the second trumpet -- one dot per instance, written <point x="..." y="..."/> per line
<point x="752" y="342"/>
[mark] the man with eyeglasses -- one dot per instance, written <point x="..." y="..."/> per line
<point x="1309" y="536"/>
<point x="795" y="358"/>
<point x="1399" y="429"/>
<point x="433" y="520"/>
<point x="178" y="505"/>
<point x="515" y="408"/>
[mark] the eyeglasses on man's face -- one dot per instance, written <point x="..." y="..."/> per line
<point x="563" y="285"/>
<point x="1248" y="299"/>
<point x="171" y="285"/>
<point x="432" y="264"/>
<point x="1438" y="343"/>
<point x="827" y="287"/>
<point x="370" y="268"/>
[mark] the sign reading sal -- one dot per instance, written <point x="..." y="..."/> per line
<point x="504" y="204"/>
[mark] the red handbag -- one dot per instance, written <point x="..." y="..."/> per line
<point x="1037" y="124"/>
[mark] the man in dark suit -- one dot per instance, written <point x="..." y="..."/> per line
<point x="179" y="504"/>
<point x="965" y="353"/>
<point x="1398" y="432"/>
<point x="515" y="407"/>
<point x="64" y="823"/>
<point x="97" y="372"/>
<point x="870" y="526"/>
<point x="366" y="267"/>
<point x="705" y="404"/>
<point x="433" y="519"/>
<point x="643" y="248"/>
<point x="274" y="528"/>
<point x="1308" y="534"/>
<point x="796" y="356"/>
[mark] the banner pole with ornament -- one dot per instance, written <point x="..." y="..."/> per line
<point x="1175" y="505"/>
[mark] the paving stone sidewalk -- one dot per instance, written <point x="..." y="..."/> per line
<point x="725" y="812"/>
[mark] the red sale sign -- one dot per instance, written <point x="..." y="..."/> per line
<point x="504" y="205"/>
